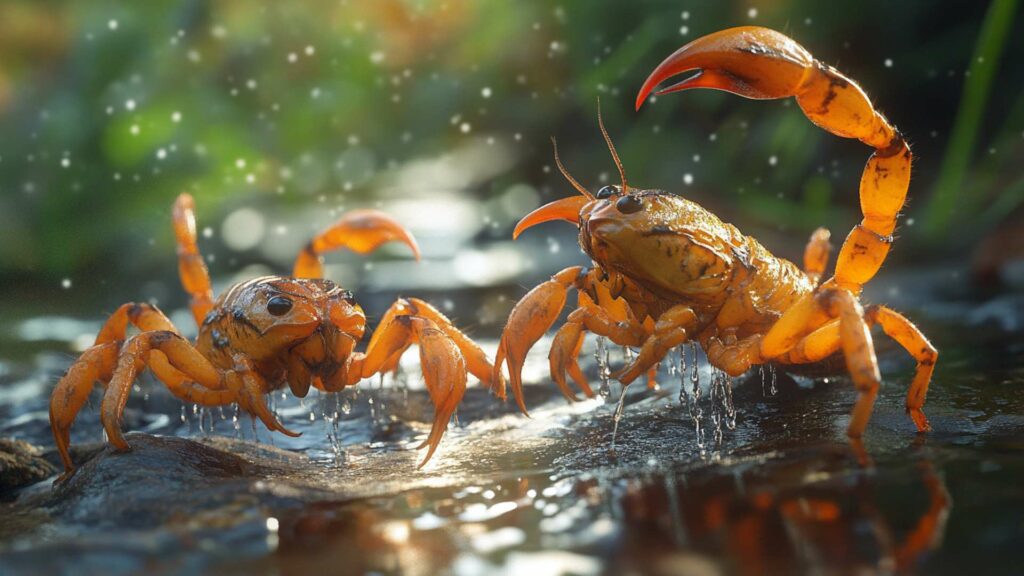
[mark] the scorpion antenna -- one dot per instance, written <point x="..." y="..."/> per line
<point x="611" y="147"/>
<point x="568" y="176"/>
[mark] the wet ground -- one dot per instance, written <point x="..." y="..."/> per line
<point x="782" y="491"/>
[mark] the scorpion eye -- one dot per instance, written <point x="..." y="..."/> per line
<point x="629" y="204"/>
<point x="278" y="305"/>
<point x="606" y="192"/>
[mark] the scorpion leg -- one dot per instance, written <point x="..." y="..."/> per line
<point x="913" y="341"/>
<point x="732" y="356"/>
<point x="759" y="63"/>
<point x="816" y="254"/>
<point x="361" y="231"/>
<point x="444" y="368"/>
<point x="813" y="312"/>
<point x="96" y="364"/>
<point x="827" y="339"/>
<point x="71" y="393"/>
<point x="195" y="278"/>
<point x="133" y="357"/>
<point x="672" y="328"/>
<point x="859" y="351"/>
<point x="595" y="318"/>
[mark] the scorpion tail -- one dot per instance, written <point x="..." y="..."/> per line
<point x="760" y="63"/>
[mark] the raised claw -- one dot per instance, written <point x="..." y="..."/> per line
<point x="750" y="61"/>
<point x="361" y="231"/>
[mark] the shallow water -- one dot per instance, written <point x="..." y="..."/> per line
<point x="782" y="492"/>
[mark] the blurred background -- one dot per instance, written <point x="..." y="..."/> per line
<point x="279" y="117"/>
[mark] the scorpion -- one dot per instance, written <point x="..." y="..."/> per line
<point x="265" y="333"/>
<point x="666" y="271"/>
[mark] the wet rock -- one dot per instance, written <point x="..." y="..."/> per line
<point x="165" y="480"/>
<point x="21" y="464"/>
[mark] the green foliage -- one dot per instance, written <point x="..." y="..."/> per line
<point x="385" y="84"/>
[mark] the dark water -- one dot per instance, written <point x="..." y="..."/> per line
<point x="782" y="492"/>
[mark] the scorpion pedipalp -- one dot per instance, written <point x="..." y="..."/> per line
<point x="530" y="319"/>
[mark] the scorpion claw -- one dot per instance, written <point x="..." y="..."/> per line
<point x="749" y="61"/>
<point x="529" y="320"/>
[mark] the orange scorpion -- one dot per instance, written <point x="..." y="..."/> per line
<point x="666" y="271"/>
<point x="265" y="333"/>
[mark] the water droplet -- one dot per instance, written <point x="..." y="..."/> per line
<point x="112" y="24"/>
<point x="888" y="62"/>
<point x="752" y="13"/>
<point x="65" y="283"/>
<point x="486" y="92"/>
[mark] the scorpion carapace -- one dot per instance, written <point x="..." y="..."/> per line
<point x="666" y="271"/>
<point x="266" y="333"/>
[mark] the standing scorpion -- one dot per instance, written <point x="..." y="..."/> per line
<point x="265" y="333"/>
<point x="666" y="271"/>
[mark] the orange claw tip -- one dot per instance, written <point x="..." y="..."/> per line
<point x="750" y="61"/>
<point x="567" y="209"/>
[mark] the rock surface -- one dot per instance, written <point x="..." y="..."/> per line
<point x="21" y="464"/>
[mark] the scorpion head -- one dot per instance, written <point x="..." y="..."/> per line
<point x="310" y="325"/>
<point x="665" y="242"/>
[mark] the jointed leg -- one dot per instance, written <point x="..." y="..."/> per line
<point x="444" y="368"/>
<point x="599" y="320"/>
<point x="72" y="392"/>
<point x="903" y="331"/>
<point x="812" y="313"/>
<point x="133" y="358"/>
<point x="361" y="231"/>
<point x="816" y="254"/>
<point x="97" y="364"/>
<point x="195" y="278"/>
<point x="672" y="329"/>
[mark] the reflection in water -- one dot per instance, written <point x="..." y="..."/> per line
<point x="758" y="523"/>
<point x="784" y="492"/>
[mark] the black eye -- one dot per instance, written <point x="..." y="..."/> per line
<point x="278" y="305"/>
<point x="606" y="192"/>
<point x="629" y="204"/>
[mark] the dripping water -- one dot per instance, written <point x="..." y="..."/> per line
<point x="617" y="416"/>
<point x="603" y="370"/>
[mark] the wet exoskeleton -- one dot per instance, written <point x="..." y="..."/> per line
<point x="666" y="271"/>
<point x="265" y="334"/>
